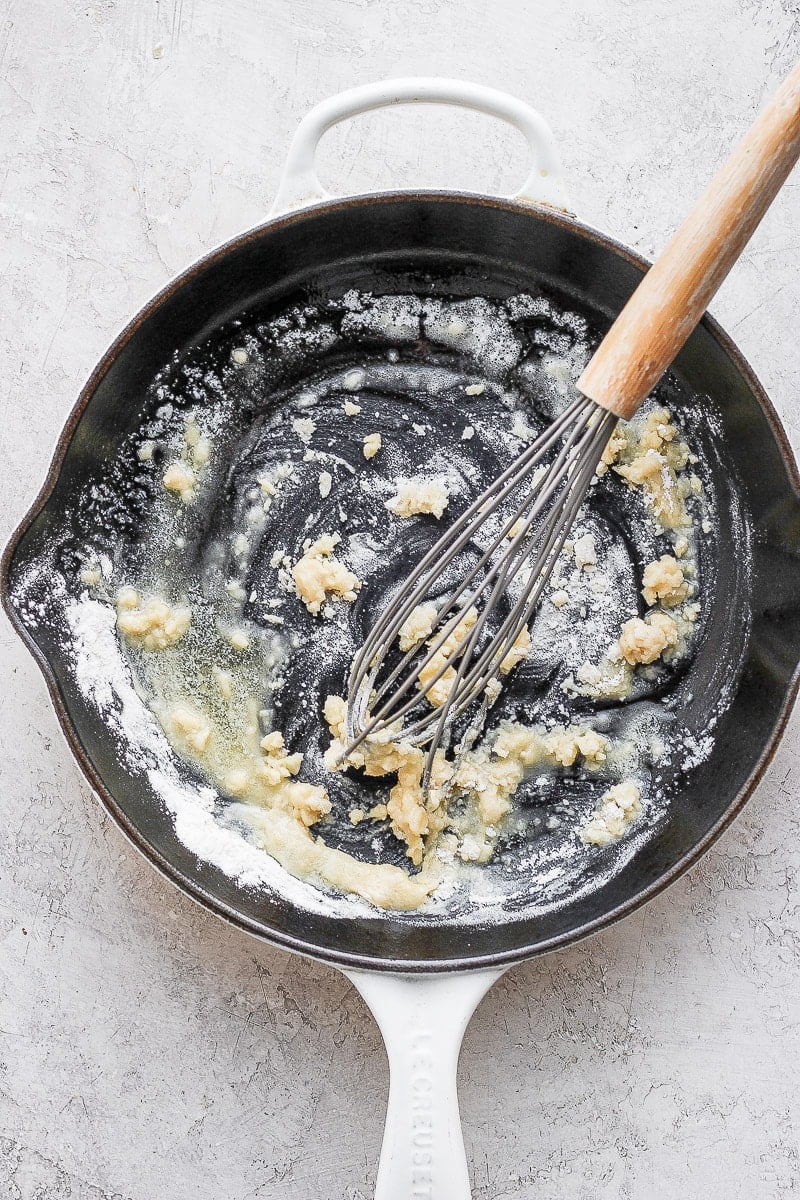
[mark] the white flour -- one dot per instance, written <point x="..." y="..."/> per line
<point x="492" y="376"/>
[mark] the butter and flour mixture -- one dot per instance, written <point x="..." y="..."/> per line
<point x="277" y="508"/>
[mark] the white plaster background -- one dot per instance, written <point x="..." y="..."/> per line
<point x="147" y="1052"/>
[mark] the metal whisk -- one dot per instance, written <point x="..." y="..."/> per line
<point x="529" y="537"/>
<point x="554" y="473"/>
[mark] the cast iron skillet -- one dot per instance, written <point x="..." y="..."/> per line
<point x="441" y="243"/>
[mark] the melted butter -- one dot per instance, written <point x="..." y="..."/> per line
<point x="216" y="707"/>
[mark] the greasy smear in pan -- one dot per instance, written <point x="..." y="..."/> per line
<point x="278" y="434"/>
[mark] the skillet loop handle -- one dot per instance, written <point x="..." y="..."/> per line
<point x="422" y="1019"/>
<point x="300" y="184"/>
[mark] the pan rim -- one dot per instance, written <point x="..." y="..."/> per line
<point x="131" y="831"/>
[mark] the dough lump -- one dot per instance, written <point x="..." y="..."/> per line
<point x="664" y="582"/>
<point x="151" y="624"/>
<point x="437" y="693"/>
<point x="618" y="807"/>
<point x="318" y="575"/>
<point x="182" y="476"/>
<point x="643" y="641"/>
<point x="192" y="726"/>
<point x="418" y="625"/>
<point x="648" y="453"/>
<point x="418" y="495"/>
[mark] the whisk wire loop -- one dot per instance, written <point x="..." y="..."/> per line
<point x="532" y="533"/>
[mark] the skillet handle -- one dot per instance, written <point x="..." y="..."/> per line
<point x="422" y="1019"/>
<point x="300" y="184"/>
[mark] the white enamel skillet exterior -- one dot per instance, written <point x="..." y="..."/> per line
<point x="422" y="1017"/>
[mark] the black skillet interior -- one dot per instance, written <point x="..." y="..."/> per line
<point x="458" y="245"/>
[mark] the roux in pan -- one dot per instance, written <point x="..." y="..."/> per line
<point x="273" y="517"/>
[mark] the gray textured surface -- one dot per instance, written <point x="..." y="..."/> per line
<point x="147" y="1051"/>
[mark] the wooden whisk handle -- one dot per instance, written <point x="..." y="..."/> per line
<point x="675" y="292"/>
